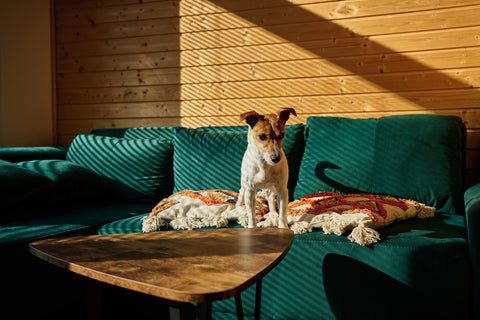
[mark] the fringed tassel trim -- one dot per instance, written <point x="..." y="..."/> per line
<point x="271" y="220"/>
<point x="363" y="235"/>
<point x="426" y="212"/>
<point x="152" y="223"/>
<point x="301" y="227"/>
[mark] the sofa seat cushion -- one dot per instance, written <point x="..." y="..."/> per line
<point x="418" y="157"/>
<point x="82" y="218"/>
<point x="211" y="157"/>
<point x="134" y="224"/>
<point x="135" y="169"/>
<point x="69" y="181"/>
<point x="422" y="263"/>
<point x="19" y="188"/>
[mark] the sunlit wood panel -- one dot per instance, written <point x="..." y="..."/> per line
<point x="130" y="63"/>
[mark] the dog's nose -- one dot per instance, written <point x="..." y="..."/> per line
<point x="275" y="158"/>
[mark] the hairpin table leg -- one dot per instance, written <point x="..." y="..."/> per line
<point x="258" y="299"/>
<point x="238" y="305"/>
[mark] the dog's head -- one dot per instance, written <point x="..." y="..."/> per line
<point x="268" y="132"/>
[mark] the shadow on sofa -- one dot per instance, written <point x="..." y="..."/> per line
<point x="321" y="172"/>
<point x="355" y="288"/>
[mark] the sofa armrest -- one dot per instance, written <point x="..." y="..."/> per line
<point x="472" y="211"/>
<point x="17" y="154"/>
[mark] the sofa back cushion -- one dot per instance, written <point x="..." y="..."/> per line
<point x="17" y="154"/>
<point x="211" y="157"/>
<point x="419" y="157"/>
<point x="166" y="133"/>
<point x="205" y="159"/>
<point x="20" y="188"/>
<point x="69" y="181"/>
<point x="109" y="132"/>
<point x="135" y="169"/>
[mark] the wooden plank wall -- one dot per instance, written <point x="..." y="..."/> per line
<point x="128" y="63"/>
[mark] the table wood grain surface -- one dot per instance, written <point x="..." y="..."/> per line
<point x="185" y="266"/>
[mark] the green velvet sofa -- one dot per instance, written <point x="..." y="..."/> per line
<point x="106" y="181"/>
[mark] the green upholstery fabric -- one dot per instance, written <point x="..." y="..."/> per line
<point x="225" y="128"/>
<point x="207" y="160"/>
<point x="472" y="208"/>
<point x="109" y="132"/>
<point x="17" y="154"/>
<point x="421" y="158"/>
<point x="326" y="277"/>
<point x="69" y="181"/>
<point x="333" y="160"/>
<point x="77" y="217"/>
<point x="414" y="156"/>
<point x="19" y="188"/>
<point x="166" y="133"/>
<point x="128" y="225"/>
<point x="138" y="169"/>
<point x="211" y="146"/>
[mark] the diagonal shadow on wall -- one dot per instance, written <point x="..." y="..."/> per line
<point x="381" y="57"/>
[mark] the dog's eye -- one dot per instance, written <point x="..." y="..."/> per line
<point x="281" y="136"/>
<point x="262" y="137"/>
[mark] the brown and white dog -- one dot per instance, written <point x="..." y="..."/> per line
<point x="264" y="165"/>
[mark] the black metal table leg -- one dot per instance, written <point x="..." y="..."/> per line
<point x="258" y="302"/>
<point x="258" y="299"/>
<point x="238" y="305"/>
<point x="204" y="311"/>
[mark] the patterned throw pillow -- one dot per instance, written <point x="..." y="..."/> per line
<point x="189" y="209"/>
<point x="359" y="213"/>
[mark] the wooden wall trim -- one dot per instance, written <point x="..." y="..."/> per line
<point x="53" y="40"/>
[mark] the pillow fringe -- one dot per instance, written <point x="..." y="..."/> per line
<point x="335" y="225"/>
<point x="363" y="235"/>
<point x="271" y="220"/>
<point x="301" y="227"/>
<point x="152" y="223"/>
<point x="193" y="209"/>
<point x="426" y="212"/>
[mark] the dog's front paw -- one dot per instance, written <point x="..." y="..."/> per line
<point x="283" y="224"/>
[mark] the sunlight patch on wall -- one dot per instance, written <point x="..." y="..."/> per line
<point x="326" y="58"/>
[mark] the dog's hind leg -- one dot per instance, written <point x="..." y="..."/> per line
<point x="241" y="196"/>
<point x="272" y="201"/>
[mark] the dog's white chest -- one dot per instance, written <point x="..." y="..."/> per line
<point x="256" y="173"/>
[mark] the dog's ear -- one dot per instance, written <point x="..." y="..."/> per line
<point x="284" y="114"/>
<point x="250" y="117"/>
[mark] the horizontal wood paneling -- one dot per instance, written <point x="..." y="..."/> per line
<point x="401" y="81"/>
<point x="92" y="13"/>
<point x="157" y="60"/>
<point x="128" y="63"/>
<point x="121" y="110"/>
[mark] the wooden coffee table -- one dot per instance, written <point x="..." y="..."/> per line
<point x="185" y="266"/>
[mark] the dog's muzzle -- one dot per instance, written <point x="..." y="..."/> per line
<point x="275" y="158"/>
